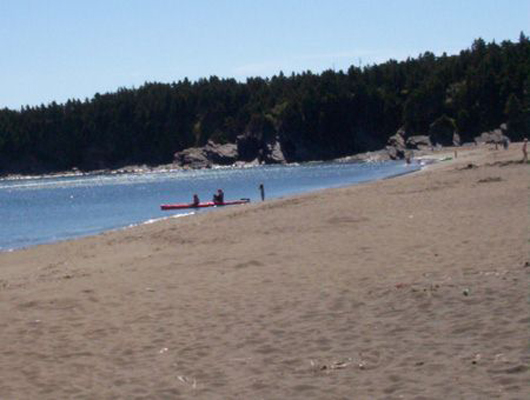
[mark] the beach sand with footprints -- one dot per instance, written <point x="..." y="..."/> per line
<point x="415" y="287"/>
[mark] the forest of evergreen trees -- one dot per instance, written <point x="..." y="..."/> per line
<point x="332" y="114"/>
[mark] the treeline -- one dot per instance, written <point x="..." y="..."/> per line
<point x="312" y="115"/>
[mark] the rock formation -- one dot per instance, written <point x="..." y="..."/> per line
<point x="205" y="157"/>
<point x="246" y="150"/>
<point x="396" y="145"/>
<point x="418" y="142"/>
<point x="496" y="136"/>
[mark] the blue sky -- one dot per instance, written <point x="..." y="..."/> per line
<point x="55" y="50"/>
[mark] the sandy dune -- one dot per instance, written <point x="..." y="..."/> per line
<point x="415" y="288"/>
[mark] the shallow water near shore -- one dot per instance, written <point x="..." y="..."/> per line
<point x="46" y="210"/>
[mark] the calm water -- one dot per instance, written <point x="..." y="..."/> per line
<point x="37" y="211"/>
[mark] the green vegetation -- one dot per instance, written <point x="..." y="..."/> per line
<point x="314" y="116"/>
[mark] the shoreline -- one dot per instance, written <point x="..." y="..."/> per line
<point x="425" y="160"/>
<point x="90" y="235"/>
<point x="412" y="287"/>
<point x="420" y="163"/>
<point x="370" y="156"/>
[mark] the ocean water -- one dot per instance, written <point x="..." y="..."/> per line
<point x="46" y="210"/>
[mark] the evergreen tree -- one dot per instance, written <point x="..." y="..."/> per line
<point x="313" y="115"/>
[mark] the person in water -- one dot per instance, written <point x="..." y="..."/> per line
<point x="219" y="197"/>
<point x="196" y="200"/>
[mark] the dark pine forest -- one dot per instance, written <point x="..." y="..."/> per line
<point x="331" y="114"/>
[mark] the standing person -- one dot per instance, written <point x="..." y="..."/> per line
<point x="525" y="150"/>
<point x="505" y="142"/>
<point x="262" y="191"/>
<point x="196" y="200"/>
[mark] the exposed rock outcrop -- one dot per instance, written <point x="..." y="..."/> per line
<point x="255" y="149"/>
<point x="204" y="157"/>
<point x="221" y="154"/>
<point x="193" y="157"/>
<point x="396" y="145"/>
<point x="496" y="136"/>
<point x="456" y="139"/>
<point x="247" y="149"/>
<point x="442" y="132"/>
<point x="271" y="153"/>
<point x="418" y="142"/>
<point x="267" y="151"/>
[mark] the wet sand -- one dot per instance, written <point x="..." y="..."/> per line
<point x="415" y="287"/>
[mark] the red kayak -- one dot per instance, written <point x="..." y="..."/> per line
<point x="200" y="205"/>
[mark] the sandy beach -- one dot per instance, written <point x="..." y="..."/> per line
<point x="411" y="288"/>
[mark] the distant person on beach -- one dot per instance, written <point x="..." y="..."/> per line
<point x="262" y="191"/>
<point x="196" y="200"/>
<point x="219" y="197"/>
<point x="525" y="150"/>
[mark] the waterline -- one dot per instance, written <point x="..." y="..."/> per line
<point x="52" y="209"/>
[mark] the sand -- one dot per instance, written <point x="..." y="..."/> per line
<point x="415" y="287"/>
